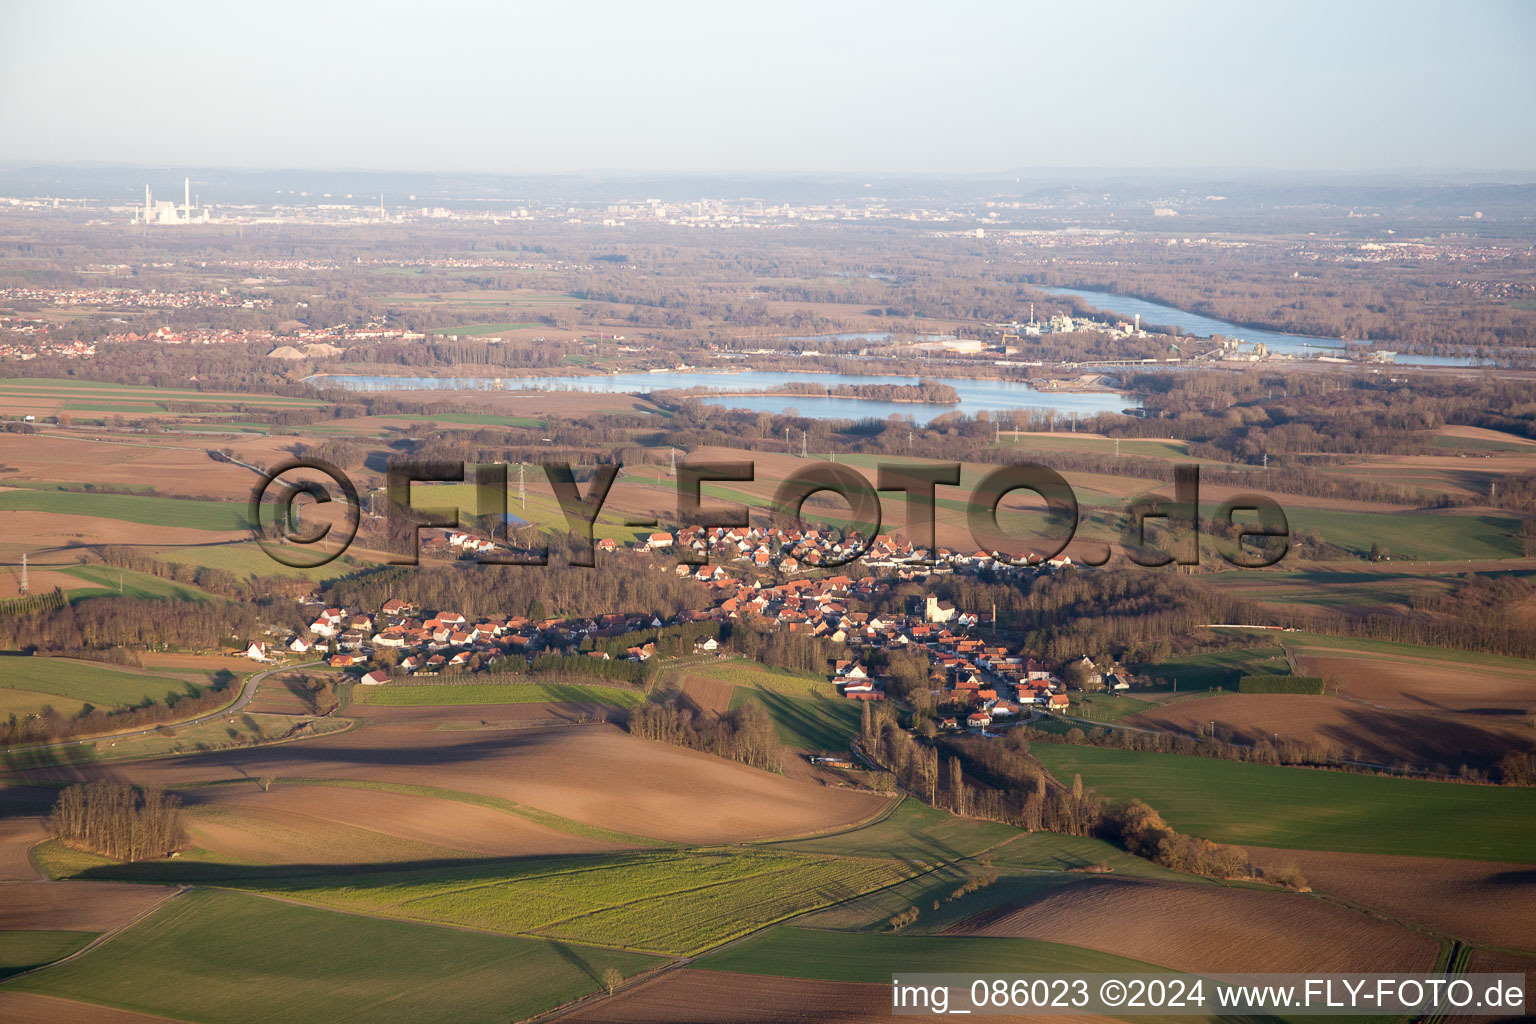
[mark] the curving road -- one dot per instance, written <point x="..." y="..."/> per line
<point x="247" y="692"/>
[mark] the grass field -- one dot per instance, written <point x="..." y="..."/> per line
<point x="1259" y="805"/>
<point x="811" y="723"/>
<point x="34" y="388"/>
<point x="1108" y="707"/>
<point x="673" y="902"/>
<point x="1216" y="668"/>
<point x="131" y="508"/>
<point x="541" y="510"/>
<point x="471" y="419"/>
<point x="1482" y="444"/>
<point x="22" y="703"/>
<point x="246" y="559"/>
<point x="1157" y="449"/>
<point x="23" y="950"/>
<point x="843" y="956"/>
<point x="452" y="694"/>
<point x="88" y="681"/>
<point x="1427" y="536"/>
<point x="1027" y="865"/>
<point x="232" y="958"/>
<point x="1357" y="645"/>
<point x="749" y="673"/>
<point x="912" y="832"/>
<point x="103" y="579"/>
<point x="472" y="330"/>
<point x="243" y="729"/>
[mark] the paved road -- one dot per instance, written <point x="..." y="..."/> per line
<point x="247" y="692"/>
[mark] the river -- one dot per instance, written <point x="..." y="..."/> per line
<point x="1299" y="345"/>
<point x="975" y="395"/>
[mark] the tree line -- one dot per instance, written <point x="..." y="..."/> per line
<point x="119" y="820"/>
<point x="746" y="734"/>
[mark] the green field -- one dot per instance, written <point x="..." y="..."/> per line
<point x="913" y="832"/>
<point x="88" y="681"/>
<point x="243" y="729"/>
<point x="452" y="694"/>
<point x="23" y="950"/>
<point x="1025" y="867"/>
<point x="22" y="703"/>
<point x="1356" y="645"/>
<point x="1484" y="444"/>
<point x="1428" y="536"/>
<point x="1108" y="707"/>
<point x="473" y="419"/>
<point x="131" y="508"/>
<point x="1233" y="802"/>
<point x="104" y="579"/>
<point x="740" y="672"/>
<point x="541" y="510"/>
<point x="1216" y="668"/>
<point x="843" y="956"/>
<point x="48" y="387"/>
<point x="246" y="559"/>
<point x="824" y="724"/>
<point x="233" y="958"/>
<point x="1172" y="450"/>
<point x="472" y="330"/>
<point x="674" y="902"/>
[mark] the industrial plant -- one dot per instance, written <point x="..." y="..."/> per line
<point x="167" y="212"/>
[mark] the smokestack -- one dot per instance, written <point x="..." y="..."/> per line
<point x="146" y="202"/>
<point x="187" y="202"/>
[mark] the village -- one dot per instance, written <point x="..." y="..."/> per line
<point x="976" y="682"/>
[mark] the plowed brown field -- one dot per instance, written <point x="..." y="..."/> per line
<point x="75" y="906"/>
<point x="1424" y="684"/>
<point x="708" y="694"/>
<point x="718" y="997"/>
<point x="27" y="1008"/>
<point x="1472" y="900"/>
<point x="597" y="775"/>
<point x="297" y="824"/>
<point x="1191" y="927"/>
<point x="1370" y="733"/>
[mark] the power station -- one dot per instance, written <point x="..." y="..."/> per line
<point x="167" y="212"/>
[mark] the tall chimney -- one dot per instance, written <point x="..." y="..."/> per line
<point x="146" y="202"/>
<point x="187" y="202"/>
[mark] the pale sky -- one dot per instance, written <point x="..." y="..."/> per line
<point x="950" y="87"/>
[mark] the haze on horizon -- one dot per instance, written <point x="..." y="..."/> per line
<point x="701" y="88"/>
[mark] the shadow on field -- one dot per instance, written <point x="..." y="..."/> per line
<point x="1518" y="878"/>
<point x="575" y="959"/>
<point x="812" y="719"/>
<point x="296" y="879"/>
<point x="1423" y="740"/>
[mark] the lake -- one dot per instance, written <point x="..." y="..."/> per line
<point x="975" y="395"/>
<point x="1299" y="345"/>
